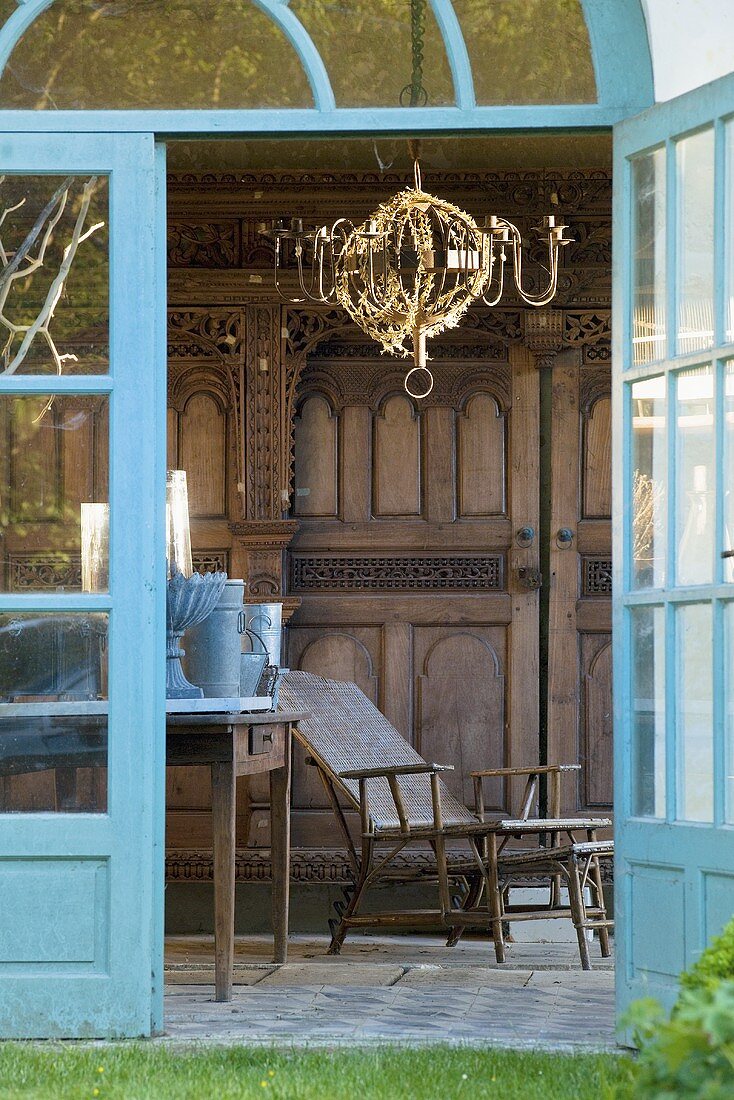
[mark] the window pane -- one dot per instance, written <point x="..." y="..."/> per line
<point x="53" y="712"/>
<point x="649" y="482"/>
<point x="729" y="707"/>
<point x="54" y="263"/>
<point x="695" y="712"/>
<point x="648" y="251"/>
<point x="696" y="476"/>
<point x="528" y="51"/>
<point x="160" y="53"/>
<point x="367" y="47"/>
<point x="54" y="460"/>
<point x="695" y="168"/>
<point x="728" y="472"/>
<point x="648" y="710"/>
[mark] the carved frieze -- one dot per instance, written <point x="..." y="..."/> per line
<point x="204" y="244"/>
<point x="311" y="865"/>
<point x="330" y="573"/>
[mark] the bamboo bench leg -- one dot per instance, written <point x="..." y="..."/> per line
<point x="339" y="931"/>
<point x="599" y="890"/>
<point x="578" y="912"/>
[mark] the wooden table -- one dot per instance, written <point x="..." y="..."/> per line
<point x="232" y="745"/>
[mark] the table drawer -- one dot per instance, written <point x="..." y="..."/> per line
<point x="261" y="747"/>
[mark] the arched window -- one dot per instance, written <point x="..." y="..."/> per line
<point x="528" y="51"/>
<point x="323" y="54"/>
<point x="154" y="54"/>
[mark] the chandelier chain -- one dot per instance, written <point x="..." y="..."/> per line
<point x="415" y="94"/>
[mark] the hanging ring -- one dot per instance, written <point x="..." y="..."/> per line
<point x="418" y="395"/>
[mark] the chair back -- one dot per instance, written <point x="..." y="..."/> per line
<point x="346" y="732"/>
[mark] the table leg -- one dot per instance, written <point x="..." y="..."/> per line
<point x="280" y="850"/>
<point x="223" y="827"/>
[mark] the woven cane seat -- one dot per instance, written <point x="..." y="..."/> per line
<point x="346" y="732"/>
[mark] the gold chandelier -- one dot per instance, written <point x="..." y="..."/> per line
<point x="411" y="270"/>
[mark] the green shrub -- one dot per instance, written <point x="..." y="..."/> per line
<point x="691" y="1053"/>
<point x="716" y="963"/>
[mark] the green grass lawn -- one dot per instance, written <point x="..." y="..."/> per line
<point x="137" y="1072"/>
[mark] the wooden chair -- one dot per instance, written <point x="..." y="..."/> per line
<point x="556" y="856"/>
<point x="401" y="800"/>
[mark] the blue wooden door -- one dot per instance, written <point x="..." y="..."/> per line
<point x="82" y="423"/>
<point x="674" y="503"/>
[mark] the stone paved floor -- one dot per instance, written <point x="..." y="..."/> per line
<point x="401" y="989"/>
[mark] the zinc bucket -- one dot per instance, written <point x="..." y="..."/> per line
<point x="265" y="620"/>
<point x="213" y="647"/>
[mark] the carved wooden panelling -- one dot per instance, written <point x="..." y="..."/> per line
<point x="396" y="459"/>
<point x="316" y="448"/>
<point x="596" y="577"/>
<point x="480" y="458"/>
<point x="460" y="708"/>
<point x="596" y="741"/>
<point x="202" y="452"/>
<point x="397" y="573"/>
<point x="597" y="460"/>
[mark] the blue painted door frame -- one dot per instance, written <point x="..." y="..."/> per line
<point x="674" y="877"/>
<point x="82" y="898"/>
<point x="112" y="993"/>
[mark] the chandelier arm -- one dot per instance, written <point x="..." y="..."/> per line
<point x="501" y="284"/>
<point x="544" y="297"/>
<point x="281" y="293"/>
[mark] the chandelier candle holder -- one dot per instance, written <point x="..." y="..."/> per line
<point x="190" y="596"/>
<point x="410" y="271"/>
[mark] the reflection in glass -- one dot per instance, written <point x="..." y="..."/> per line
<point x="95" y="522"/>
<point x="695" y="253"/>
<point x="53" y="712"/>
<point x="728" y="478"/>
<point x="695" y="476"/>
<point x="649" y="482"/>
<point x="514" y="51"/>
<point x="163" y="54"/>
<point x="648" y="257"/>
<point x="729" y="708"/>
<point x="647" y="763"/>
<point x="368" y="50"/>
<point x="54" y="275"/>
<point x="729" y="247"/>
<point x="178" y="532"/>
<point x="695" y="712"/>
<point x="53" y="458"/>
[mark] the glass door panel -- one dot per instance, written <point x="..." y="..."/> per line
<point x="81" y="552"/>
<point x="674" y="530"/>
<point x="694" y="157"/>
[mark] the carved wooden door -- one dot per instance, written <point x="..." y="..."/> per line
<point x="577" y="562"/>
<point x="412" y="579"/>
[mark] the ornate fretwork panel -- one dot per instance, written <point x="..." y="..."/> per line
<point x="461" y="574"/>
<point x="43" y="570"/>
<point x="211" y="561"/>
<point x="596" y="577"/>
